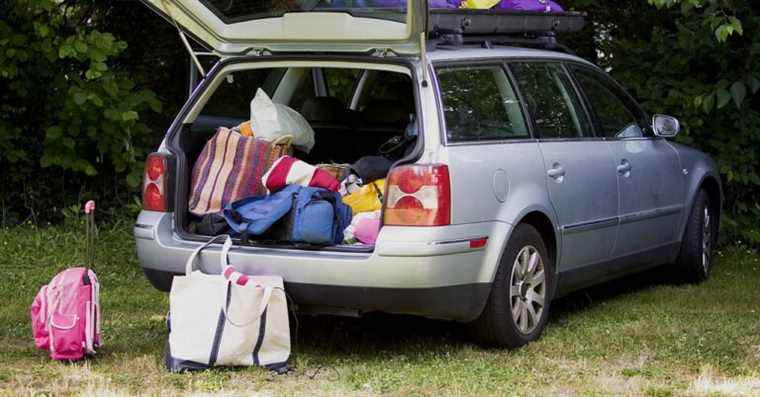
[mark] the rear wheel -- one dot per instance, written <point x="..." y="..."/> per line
<point x="161" y="281"/>
<point x="518" y="307"/>
<point x="695" y="259"/>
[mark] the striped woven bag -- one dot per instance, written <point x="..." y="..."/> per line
<point x="230" y="168"/>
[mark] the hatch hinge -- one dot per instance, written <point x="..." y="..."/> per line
<point x="257" y="52"/>
<point x="383" y="53"/>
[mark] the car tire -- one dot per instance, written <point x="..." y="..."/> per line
<point x="518" y="306"/>
<point x="161" y="281"/>
<point x="695" y="259"/>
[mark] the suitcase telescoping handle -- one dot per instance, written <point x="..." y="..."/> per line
<point x="89" y="211"/>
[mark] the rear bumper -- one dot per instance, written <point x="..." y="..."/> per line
<point x="423" y="271"/>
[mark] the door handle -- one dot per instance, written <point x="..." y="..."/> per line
<point x="624" y="168"/>
<point x="557" y="172"/>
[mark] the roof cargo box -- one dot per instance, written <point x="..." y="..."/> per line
<point x="501" y="22"/>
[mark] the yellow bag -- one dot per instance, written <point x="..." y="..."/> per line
<point x="480" y="4"/>
<point x="367" y="199"/>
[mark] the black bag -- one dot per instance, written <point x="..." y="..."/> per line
<point x="371" y="168"/>
<point x="212" y="225"/>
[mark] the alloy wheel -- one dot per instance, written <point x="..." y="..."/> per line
<point x="527" y="292"/>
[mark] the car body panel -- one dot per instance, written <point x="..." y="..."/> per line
<point x="585" y="199"/>
<point x="698" y="167"/>
<point x="486" y="187"/>
<point x="651" y="194"/>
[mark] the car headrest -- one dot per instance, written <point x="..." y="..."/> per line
<point x="324" y="110"/>
<point x="386" y="111"/>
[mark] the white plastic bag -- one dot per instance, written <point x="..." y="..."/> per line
<point x="272" y="120"/>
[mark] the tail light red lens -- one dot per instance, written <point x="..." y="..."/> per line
<point x="155" y="183"/>
<point x="418" y="195"/>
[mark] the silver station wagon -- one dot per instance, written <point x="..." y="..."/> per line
<point x="520" y="172"/>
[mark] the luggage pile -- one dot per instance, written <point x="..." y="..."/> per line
<point x="247" y="182"/>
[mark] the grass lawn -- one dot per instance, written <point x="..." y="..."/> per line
<point x="639" y="336"/>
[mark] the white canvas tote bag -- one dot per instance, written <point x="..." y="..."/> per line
<point x="215" y="321"/>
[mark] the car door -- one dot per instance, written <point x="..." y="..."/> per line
<point x="579" y="169"/>
<point x="652" y="183"/>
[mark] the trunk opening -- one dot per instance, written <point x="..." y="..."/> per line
<point x="354" y="112"/>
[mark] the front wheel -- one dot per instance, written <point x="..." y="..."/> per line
<point x="695" y="258"/>
<point x="518" y="307"/>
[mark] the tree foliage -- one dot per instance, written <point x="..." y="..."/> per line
<point x="78" y="111"/>
<point x="698" y="60"/>
<point x="68" y="112"/>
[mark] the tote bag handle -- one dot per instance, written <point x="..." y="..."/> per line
<point x="191" y="260"/>
<point x="264" y="300"/>
<point x="262" y="306"/>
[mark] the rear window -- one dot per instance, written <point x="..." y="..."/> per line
<point x="231" y="11"/>
<point x="479" y="104"/>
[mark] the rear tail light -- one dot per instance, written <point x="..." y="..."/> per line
<point x="418" y="195"/>
<point x="156" y="183"/>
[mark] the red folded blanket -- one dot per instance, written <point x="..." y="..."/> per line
<point x="289" y="170"/>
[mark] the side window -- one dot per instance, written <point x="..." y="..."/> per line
<point x="552" y="103"/>
<point x="479" y="104"/>
<point x="233" y="96"/>
<point x="615" y="116"/>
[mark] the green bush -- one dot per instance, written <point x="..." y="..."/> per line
<point x="698" y="61"/>
<point x="69" y="121"/>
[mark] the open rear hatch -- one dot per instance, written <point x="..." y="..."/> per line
<point x="233" y="27"/>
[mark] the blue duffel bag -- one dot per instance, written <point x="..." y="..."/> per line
<point x="294" y="214"/>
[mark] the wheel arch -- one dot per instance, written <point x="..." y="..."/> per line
<point x="546" y="229"/>
<point x="711" y="186"/>
<point x="710" y="183"/>
<point x="539" y="218"/>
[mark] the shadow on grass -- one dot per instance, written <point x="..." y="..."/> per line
<point x="397" y="334"/>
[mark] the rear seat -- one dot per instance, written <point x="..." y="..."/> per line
<point x="343" y="135"/>
<point x="384" y="116"/>
<point x="333" y="125"/>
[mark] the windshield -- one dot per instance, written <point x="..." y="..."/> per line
<point x="231" y="11"/>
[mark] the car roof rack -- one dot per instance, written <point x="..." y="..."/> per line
<point x="458" y="27"/>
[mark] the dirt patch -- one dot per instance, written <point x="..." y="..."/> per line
<point x="707" y="384"/>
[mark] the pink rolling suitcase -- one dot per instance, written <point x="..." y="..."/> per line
<point x="66" y="312"/>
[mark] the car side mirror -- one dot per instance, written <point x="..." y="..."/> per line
<point x="665" y="126"/>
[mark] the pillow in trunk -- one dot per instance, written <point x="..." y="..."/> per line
<point x="230" y="168"/>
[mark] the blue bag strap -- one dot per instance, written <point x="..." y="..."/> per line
<point x="274" y="206"/>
